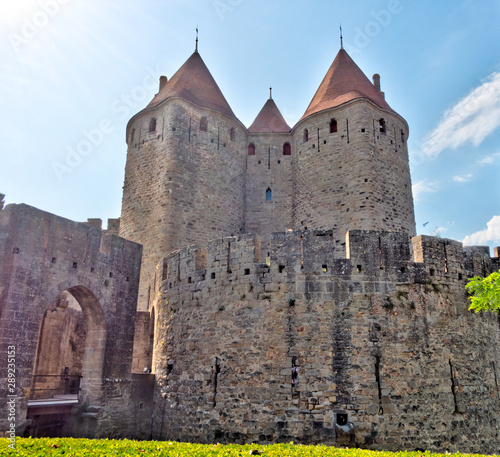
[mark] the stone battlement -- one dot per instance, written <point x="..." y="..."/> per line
<point x="377" y="326"/>
<point x="365" y="254"/>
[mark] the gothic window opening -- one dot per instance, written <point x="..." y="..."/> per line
<point x="232" y="134"/>
<point x="287" y="150"/>
<point x="381" y="123"/>
<point x="203" y="124"/>
<point x="306" y="135"/>
<point x="152" y="125"/>
<point x="269" y="195"/>
<point x="251" y="149"/>
<point x="333" y="126"/>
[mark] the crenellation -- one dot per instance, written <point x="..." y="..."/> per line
<point x="365" y="325"/>
<point x="477" y="261"/>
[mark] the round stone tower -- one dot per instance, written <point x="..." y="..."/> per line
<point x="185" y="170"/>
<point x="351" y="169"/>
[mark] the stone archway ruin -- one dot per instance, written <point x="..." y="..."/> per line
<point x="71" y="347"/>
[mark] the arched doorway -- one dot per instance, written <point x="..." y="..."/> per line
<point x="60" y="350"/>
<point x="68" y="367"/>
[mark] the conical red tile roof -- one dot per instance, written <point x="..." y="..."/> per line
<point x="343" y="82"/>
<point x="193" y="82"/>
<point x="269" y="120"/>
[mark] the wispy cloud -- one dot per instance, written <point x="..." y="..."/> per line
<point x="471" y="120"/>
<point x="423" y="187"/>
<point x="489" y="159"/>
<point x="463" y="178"/>
<point x="490" y="233"/>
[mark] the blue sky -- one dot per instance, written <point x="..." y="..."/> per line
<point x="73" y="72"/>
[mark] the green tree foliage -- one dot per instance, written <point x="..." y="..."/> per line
<point x="485" y="293"/>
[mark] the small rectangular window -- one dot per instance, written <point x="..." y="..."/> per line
<point x="152" y="125"/>
<point x="203" y="124"/>
<point x="333" y="126"/>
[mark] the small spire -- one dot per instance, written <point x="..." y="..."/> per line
<point x="341" y="40"/>
<point x="196" y="47"/>
<point x="270" y="93"/>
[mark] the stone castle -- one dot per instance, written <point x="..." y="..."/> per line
<point x="282" y="293"/>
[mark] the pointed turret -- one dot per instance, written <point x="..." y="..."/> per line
<point x="269" y="120"/>
<point x="193" y="82"/>
<point x="344" y="82"/>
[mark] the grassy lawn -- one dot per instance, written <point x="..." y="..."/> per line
<point x="85" y="447"/>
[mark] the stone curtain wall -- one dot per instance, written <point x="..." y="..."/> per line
<point x="388" y="355"/>
<point x="268" y="169"/>
<point x="43" y="255"/>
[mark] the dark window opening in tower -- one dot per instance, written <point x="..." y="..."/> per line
<point x="402" y="137"/>
<point x="152" y="125"/>
<point x="333" y="126"/>
<point x="251" y="149"/>
<point x="203" y="124"/>
<point x="232" y="134"/>
<point x="132" y="135"/>
<point x="287" y="150"/>
<point x="306" y="135"/>
<point x="381" y="123"/>
<point x="269" y="195"/>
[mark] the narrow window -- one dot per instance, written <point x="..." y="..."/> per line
<point x="402" y="137"/>
<point x="152" y="125"/>
<point x="132" y="135"/>
<point x="232" y="134"/>
<point x="251" y="149"/>
<point x="203" y="124"/>
<point x="306" y="135"/>
<point x="333" y="126"/>
<point x="381" y="123"/>
<point x="287" y="150"/>
<point x="268" y="195"/>
<point x="295" y="372"/>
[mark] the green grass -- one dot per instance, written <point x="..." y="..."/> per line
<point x="84" y="447"/>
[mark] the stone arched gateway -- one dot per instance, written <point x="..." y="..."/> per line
<point x="42" y="255"/>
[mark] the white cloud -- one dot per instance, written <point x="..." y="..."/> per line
<point x="488" y="159"/>
<point x="463" y="178"/>
<point x="490" y="233"/>
<point x="422" y="187"/>
<point x="471" y="120"/>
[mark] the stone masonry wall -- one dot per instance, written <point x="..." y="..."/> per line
<point x="355" y="178"/>
<point x="388" y="355"/>
<point x="268" y="169"/>
<point x="182" y="185"/>
<point x="42" y="256"/>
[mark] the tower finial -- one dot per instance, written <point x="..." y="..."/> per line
<point x="270" y="93"/>
<point x="341" y="40"/>
<point x="196" y="47"/>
